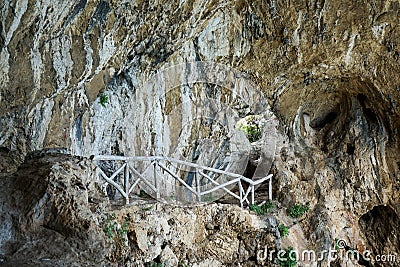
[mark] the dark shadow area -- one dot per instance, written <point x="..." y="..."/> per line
<point x="381" y="228"/>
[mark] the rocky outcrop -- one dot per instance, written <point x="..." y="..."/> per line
<point x="51" y="213"/>
<point x="75" y="76"/>
<point x="54" y="214"/>
<point x="214" y="234"/>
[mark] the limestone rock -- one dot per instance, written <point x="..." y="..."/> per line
<point x="51" y="210"/>
<point x="54" y="214"/>
<point x="327" y="70"/>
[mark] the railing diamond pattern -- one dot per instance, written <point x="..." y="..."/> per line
<point x="132" y="177"/>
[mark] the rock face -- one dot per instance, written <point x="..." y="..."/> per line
<point x="50" y="213"/>
<point x="74" y="76"/>
<point x="215" y="234"/>
<point x="54" y="214"/>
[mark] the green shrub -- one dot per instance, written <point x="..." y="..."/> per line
<point x="287" y="258"/>
<point x="109" y="226"/>
<point x="118" y="235"/>
<point x="283" y="230"/>
<point x="149" y="208"/>
<point x="252" y="126"/>
<point x="268" y="205"/>
<point x="111" y="230"/>
<point x="103" y="100"/>
<point x="263" y="209"/>
<point x="255" y="208"/>
<point x="297" y="211"/>
<point x="154" y="264"/>
<point x="253" y="132"/>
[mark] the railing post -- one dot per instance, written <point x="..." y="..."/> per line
<point x="252" y="194"/>
<point x="98" y="179"/>
<point x="126" y="181"/>
<point x="196" y="177"/>
<point x="240" y="193"/>
<point x="155" y="179"/>
<point x="270" y="188"/>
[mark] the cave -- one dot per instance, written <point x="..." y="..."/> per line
<point x="101" y="100"/>
<point x="380" y="226"/>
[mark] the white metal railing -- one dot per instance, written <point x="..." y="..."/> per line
<point x="160" y="170"/>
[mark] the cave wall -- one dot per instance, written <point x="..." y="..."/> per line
<point x="328" y="70"/>
<point x="381" y="222"/>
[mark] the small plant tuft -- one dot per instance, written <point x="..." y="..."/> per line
<point x="268" y="205"/>
<point x="288" y="259"/>
<point x="103" y="100"/>
<point x="252" y="126"/>
<point x="109" y="226"/>
<point x="208" y="198"/>
<point x="263" y="209"/>
<point x="283" y="230"/>
<point x="155" y="264"/>
<point x="149" y="208"/>
<point x="143" y="194"/>
<point x="118" y="234"/>
<point x="124" y="228"/>
<point x="255" y="208"/>
<point x="297" y="211"/>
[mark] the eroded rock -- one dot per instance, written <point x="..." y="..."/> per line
<point x="327" y="69"/>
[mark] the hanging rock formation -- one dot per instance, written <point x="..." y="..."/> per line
<point x="72" y="80"/>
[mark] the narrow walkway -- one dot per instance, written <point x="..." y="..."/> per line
<point x="156" y="171"/>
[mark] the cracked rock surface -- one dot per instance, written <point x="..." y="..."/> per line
<point x="54" y="214"/>
<point x="326" y="70"/>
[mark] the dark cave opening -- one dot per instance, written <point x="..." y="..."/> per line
<point x="381" y="228"/>
<point x="350" y="149"/>
<point x="320" y="122"/>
